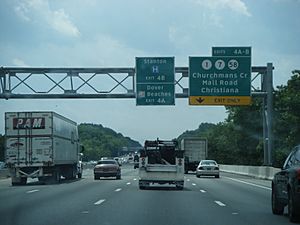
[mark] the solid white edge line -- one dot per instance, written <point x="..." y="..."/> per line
<point x="99" y="202"/>
<point x="251" y="184"/>
<point x="220" y="203"/>
<point x="32" y="191"/>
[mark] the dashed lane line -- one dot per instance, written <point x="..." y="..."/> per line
<point x="99" y="202"/>
<point x="203" y="191"/>
<point x="128" y="183"/>
<point x="251" y="184"/>
<point x="193" y="184"/>
<point x="119" y="189"/>
<point x="220" y="203"/>
<point x="32" y="191"/>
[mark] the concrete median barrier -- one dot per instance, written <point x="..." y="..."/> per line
<point x="262" y="172"/>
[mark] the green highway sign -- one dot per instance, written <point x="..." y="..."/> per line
<point x="223" y="79"/>
<point x="155" y="81"/>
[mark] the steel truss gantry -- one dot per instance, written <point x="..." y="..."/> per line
<point x="83" y="83"/>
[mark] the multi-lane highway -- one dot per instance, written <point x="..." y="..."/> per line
<point x="230" y="200"/>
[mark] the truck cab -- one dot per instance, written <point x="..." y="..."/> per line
<point x="161" y="162"/>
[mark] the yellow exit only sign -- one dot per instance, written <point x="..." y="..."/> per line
<point x="219" y="100"/>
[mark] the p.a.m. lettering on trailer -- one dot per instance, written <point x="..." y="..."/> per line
<point x="29" y="123"/>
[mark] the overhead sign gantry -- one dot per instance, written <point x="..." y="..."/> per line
<point x="155" y="81"/>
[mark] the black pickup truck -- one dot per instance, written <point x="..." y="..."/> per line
<point x="286" y="187"/>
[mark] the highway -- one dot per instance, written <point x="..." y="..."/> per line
<point x="230" y="200"/>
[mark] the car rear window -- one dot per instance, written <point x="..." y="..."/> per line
<point x="107" y="162"/>
<point x="208" y="163"/>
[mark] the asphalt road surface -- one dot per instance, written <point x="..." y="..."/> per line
<point x="230" y="200"/>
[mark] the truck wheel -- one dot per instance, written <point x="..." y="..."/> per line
<point x="142" y="186"/>
<point x="15" y="181"/>
<point x="118" y="177"/>
<point x="96" y="177"/>
<point x="55" y="177"/>
<point x="42" y="179"/>
<point x="23" y="180"/>
<point x="179" y="185"/>
<point x="277" y="208"/>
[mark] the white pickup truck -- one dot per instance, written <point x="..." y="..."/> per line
<point x="162" y="163"/>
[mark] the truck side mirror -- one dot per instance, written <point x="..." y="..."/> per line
<point x="82" y="148"/>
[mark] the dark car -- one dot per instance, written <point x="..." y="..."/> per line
<point x="286" y="187"/>
<point x="107" y="168"/>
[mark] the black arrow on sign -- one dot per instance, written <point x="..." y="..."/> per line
<point x="200" y="100"/>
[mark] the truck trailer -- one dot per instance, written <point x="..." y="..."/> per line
<point x="195" y="150"/>
<point x="43" y="145"/>
<point x="161" y="162"/>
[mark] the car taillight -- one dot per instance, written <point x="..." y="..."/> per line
<point x="298" y="174"/>
<point x="143" y="161"/>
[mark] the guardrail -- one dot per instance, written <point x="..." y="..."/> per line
<point x="262" y="172"/>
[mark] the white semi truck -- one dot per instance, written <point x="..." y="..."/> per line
<point x="43" y="145"/>
<point x="161" y="162"/>
<point x="195" y="150"/>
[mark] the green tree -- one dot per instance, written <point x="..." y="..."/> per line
<point x="286" y="118"/>
<point x="99" y="141"/>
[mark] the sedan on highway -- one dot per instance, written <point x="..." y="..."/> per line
<point x="286" y="187"/>
<point x="208" y="168"/>
<point x="107" y="168"/>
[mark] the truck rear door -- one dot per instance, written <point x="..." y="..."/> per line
<point x="28" y="138"/>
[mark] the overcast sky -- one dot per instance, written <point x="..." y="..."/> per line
<point x="111" y="33"/>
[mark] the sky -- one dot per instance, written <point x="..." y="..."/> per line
<point x="111" y="33"/>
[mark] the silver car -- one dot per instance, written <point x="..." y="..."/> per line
<point x="208" y="168"/>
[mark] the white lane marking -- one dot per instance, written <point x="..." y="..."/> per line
<point x="220" y="203"/>
<point x="99" y="202"/>
<point x="235" y="213"/>
<point x="119" y="189"/>
<point x="32" y="191"/>
<point x="193" y="184"/>
<point x="244" y="182"/>
<point x="188" y="180"/>
<point x="202" y="191"/>
<point x="134" y="179"/>
<point x="85" y="212"/>
<point x="128" y="183"/>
